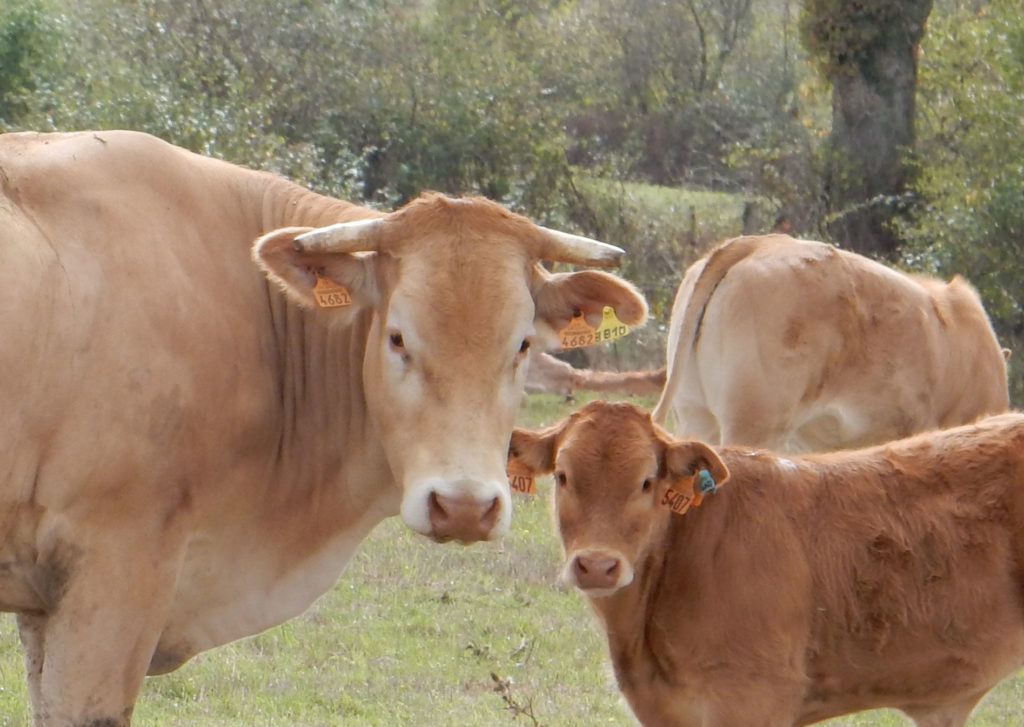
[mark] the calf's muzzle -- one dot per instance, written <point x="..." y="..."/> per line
<point x="596" y="571"/>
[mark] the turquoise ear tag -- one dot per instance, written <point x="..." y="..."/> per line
<point x="706" y="483"/>
<point x="689" y="493"/>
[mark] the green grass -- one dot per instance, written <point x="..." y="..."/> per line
<point x="410" y="636"/>
<point x="705" y="214"/>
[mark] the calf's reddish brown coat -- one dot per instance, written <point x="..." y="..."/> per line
<point x="803" y="588"/>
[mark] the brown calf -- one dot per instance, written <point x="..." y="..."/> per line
<point x="803" y="588"/>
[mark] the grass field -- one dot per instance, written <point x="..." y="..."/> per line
<point x="411" y="635"/>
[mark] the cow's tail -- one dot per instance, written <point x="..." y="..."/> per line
<point x="716" y="265"/>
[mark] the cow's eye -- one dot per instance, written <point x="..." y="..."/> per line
<point x="398" y="346"/>
<point x="646" y="485"/>
<point x="525" y="346"/>
<point x="561" y="479"/>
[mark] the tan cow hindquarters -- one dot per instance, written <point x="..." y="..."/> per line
<point x="797" y="346"/>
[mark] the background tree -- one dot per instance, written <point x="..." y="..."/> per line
<point x="970" y="216"/>
<point x="660" y="126"/>
<point x="868" y="51"/>
<point x="29" y="37"/>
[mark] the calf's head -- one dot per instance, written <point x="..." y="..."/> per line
<point x="615" y="472"/>
<point x="457" y="299"/>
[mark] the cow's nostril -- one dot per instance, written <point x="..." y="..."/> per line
<point x="490" y="517"/>
<point x="437" y="511"/>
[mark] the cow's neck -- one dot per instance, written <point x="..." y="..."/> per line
<point x="626" y="619"/>
<point x="283" y="204"/>
<point x="325" y="439"/>
<point x="641" y="621"/>
<point x="325" y="442"/>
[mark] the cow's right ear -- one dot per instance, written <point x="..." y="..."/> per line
<point x="535" y="450"/>
<point x="316" y="279"/>
<point x="561" y="296"/>
<point x="687" y="457"/>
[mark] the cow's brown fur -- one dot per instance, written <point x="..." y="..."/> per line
<point x="803" y="588"/>
<point x="797" y="346"/>
<point x="187" y="456"/>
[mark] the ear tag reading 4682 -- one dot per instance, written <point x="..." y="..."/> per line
<point x="329" y="294"/>
<point x="579" y="333"/>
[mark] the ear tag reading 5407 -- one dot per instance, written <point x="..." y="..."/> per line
<point x="579" y="333"/>
<point x="690" y="493"/>
<point x="329" y="294"/>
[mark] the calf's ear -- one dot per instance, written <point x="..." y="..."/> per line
<point x="686" y="457"/>
<point x="536" y="450"/>
<point x="560" y="296"/>
<point x="316" y="279"/>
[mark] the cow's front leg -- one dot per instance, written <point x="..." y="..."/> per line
<point x="87" y="654"/>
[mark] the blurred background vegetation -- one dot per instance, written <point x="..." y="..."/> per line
<point x="891" y="127"/>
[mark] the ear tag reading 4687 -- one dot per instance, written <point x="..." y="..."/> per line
<point x="329" y="294"/>
<point x="579" y="333"/>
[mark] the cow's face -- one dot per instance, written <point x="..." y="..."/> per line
<point x="612" y="469"/>
<point x="458" y="301"/>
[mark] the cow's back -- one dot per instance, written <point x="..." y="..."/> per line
<point x="886" y="577"/>
<point x="798" y="346"/>
<point x="112" y="328"/>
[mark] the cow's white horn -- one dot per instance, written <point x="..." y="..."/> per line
<point x="354" y="236"/>
<point x="566" y="248"/>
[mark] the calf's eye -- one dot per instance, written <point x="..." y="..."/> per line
<point x="646" y="485"/>
<point x="561" y="479"/>
<point x="525" y="346"/>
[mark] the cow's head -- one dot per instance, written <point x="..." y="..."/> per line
<point x="613" y="468"/>
<point x="458" y="299"/>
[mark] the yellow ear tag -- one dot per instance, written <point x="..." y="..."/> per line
<point x="329" y="294"/>
<point x="579" y="333"/>
<point x="521" y="479"/>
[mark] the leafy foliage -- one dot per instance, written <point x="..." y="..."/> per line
<point x="376" y="100"/>
<point x="971" y="163"/>
<point x="28" y="37"/>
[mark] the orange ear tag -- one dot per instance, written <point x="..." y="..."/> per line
<point x="679" y="501"/>
<point x="521" y="479"/>
<point x="329" y="294"/>
<point x="690" y="493"/>
<point x="579" y="333"/>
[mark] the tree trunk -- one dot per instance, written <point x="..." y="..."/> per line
<point x="869" y="53"/>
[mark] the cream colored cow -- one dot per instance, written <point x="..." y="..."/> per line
<point x="798" y="346"/>
<point x="190" y="453"/>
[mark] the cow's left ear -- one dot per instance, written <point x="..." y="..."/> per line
<point x="687" y="457"/>
<point x="560" y="296"/>
<point x="316" y="279"/>
<point x="536" y="450"/>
